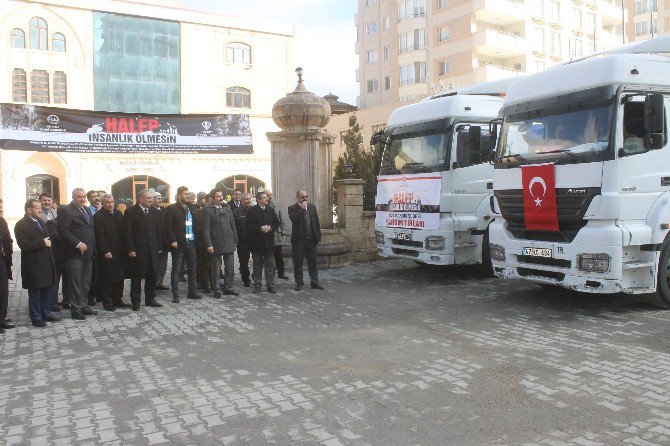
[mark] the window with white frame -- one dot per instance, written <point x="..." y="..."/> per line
<point x="38" y="33"/>
<point x="58" y="42"/>
<point x="387" y="22"/>
<point x="387" y="52"/>
<point x="387" y="83"/>
<point x="18" y="38"/>
<point x="19" y="85"/>
<point x="415" y="40"/>
<point x="556" y="44"/>
<point x="238" y="97"/>
<point x="372" y="56"/>
<point x="60" y="88"/>
<point x="238" y="53"/>
<point x="371" y="28"/>
<point x="39" y="86"/>
<point x="538" y="43"/>
<point x="410" y="9"/>
<point x="373" y="85"/>
<point x="578" y="49"/>
<point x="445" y="67"/>
<point x="443" y="34"/>
<point x="413" y="73"/>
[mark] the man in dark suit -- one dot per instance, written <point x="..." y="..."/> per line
<point x="75" y="225"/>
<point x="163" y="258"/>
<point x="144" y="243"/>
<point x="6" y="251"/>
<point x="243" y="249"/>
<point x="57" y="251"/>
<point x="262" y="222"/>
<point x="219" y="237"/>
<point x="305" y="236"/>
<point x="110" y="252"/>
<point x="38" y="269"/>
<point x="236" y="201"/>
<point x="180" y="237"/>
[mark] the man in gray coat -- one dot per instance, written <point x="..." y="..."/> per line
<point x="279" y="237"/>
<point x="219" y="237"/>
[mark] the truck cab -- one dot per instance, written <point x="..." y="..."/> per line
<point x="582" y="175"/>
<point x="435" y="181"/>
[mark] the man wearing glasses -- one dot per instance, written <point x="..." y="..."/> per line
<point x="305" y="236"/>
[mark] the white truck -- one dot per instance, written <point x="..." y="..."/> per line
<point x="582" y="175"/>
<point x="432" y="202"/>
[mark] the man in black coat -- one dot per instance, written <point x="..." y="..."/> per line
<point x="6" y="251"/>
<point x="38" y="269"/>
<point x="110" y="252"/>
<point x="305" y="235"/>
<point x="180" y="237"/>
<point x="144" y="243"/>
<point x="219" y="238"/>
<point x="243" y="248"/>
<point x="163" y="258"/>
<point x="262" y="222"/>
<point x="57" y="251"/>
<point x="75" y="225"/>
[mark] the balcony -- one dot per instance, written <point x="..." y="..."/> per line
<point x="493" y="43"/>
<point x="487" y="71"/>
<point x="611" y="12"/>
<point x="499" y="12"/>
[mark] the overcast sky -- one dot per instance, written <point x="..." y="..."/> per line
<point x="324" y="37"/>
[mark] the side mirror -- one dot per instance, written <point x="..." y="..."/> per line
<point x="475" y="135"/>
<point x="654" y="121"/>
<point x="493" y="139"/>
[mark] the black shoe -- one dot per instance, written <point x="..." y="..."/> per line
<point x="39" y="324"/>
<point x="271" y="290"/>
<point x="194" y="296"/>
<point x="175" y="300"/>
<point x="56" y="309"/>
<point x="6" y="325"/>
<point x="108" y="308"/>
<point x="8" y="319"/>
<point x="216" y="295"/>
<point x="257" y="289"/>
<point x="65" y="305"/>
<point x="283" y="276"/>
<point x="153" y="303"/>
<point x="52" y="318"/>
<point x="88" y="311"/>
<point x="247" y="284"/>
<point x="316" y="286"/>
<point x="231" y="293"/>
<point x="122" y="305"/>
<point x="78" y="315"/>
<point x="162" y="288"/>
<point x="298" y="287"/>
<point x="136" y="307"/>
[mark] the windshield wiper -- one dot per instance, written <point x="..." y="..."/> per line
<point x="560" y="151"/>
<point x="516" y="156"/>
<point x="417" y="166"/>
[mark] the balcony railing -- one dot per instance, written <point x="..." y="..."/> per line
<point x="416" y="15"/>
<point x="415" y="47"/>
<point x="486" y="63"/>
<point x="417" y="80"/>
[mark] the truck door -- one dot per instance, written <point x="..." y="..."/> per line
<point x="472" y="172"/>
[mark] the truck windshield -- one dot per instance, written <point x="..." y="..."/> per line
<point x="414" y="153"/>
<point x="564" y="138"/>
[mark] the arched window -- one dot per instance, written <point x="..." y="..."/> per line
<point x="60" y="88"/>
<point x="238" y="97"/>
<point x="39" y="86"/>
<point x="239" y="53"/>
<point x="38" y="33"/>
<point x="18" y="38"/>
<point x="58" y="43"/>
<point x="19" y="86"/>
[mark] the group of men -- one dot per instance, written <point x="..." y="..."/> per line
<point x="93" y="248"/>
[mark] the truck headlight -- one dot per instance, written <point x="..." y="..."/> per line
<point x="597" y="263"/>
<point x="435" y="243"/>
<point x="379" y="237"/>
<point x="497" y="252"/>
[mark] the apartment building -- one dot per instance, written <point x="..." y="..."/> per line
<point x="410" y="48"/>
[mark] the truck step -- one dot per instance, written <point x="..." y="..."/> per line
<point x="640" y="290"/>
<point x="464" y="245"/>
<point x="637" y="264"/>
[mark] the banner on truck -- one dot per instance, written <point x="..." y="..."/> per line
<point x="49" y="129"/>
<point x="408" y="201"/>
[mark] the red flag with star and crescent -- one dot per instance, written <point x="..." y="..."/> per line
<point x="540" y="211"/>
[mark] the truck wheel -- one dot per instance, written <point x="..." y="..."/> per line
<point x="486" y="266"/>
<point x="661" y="298"/>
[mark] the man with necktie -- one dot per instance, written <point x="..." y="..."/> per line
<point x="219" y="238"/>
<point x="75" y="225"/>
<point x="93" y="197"/>
<point x="163" y="258"/>
<point x="48" y="212"/>
<point x="38" y="270"/>
<point x="305" y="236"/>
<point x="144" y="244"/>
<point x="262" y="222"/>
<point x="111" y="258"/>
<point x="6" y="251"/>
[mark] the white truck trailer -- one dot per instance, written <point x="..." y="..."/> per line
<point x="435" y="184"/>
<point x="582" y="175"/>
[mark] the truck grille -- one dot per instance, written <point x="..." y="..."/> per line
<point x="571" y="209"/>
<point x="413" y="243"/>
<point x="405" y="252"/>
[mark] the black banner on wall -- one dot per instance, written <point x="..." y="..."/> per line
<point x="47" y="129"/>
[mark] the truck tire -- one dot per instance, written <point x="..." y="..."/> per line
<point x="661" y="298"/>
<point x="486" y="266"/>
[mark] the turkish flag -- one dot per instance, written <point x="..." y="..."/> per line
<point x="540" y="211"/>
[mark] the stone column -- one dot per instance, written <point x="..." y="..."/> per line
<point x="302" y="159"/>
<point x="350" y="209"/>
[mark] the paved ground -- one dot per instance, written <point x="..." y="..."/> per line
<point x="390" y="354"/>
